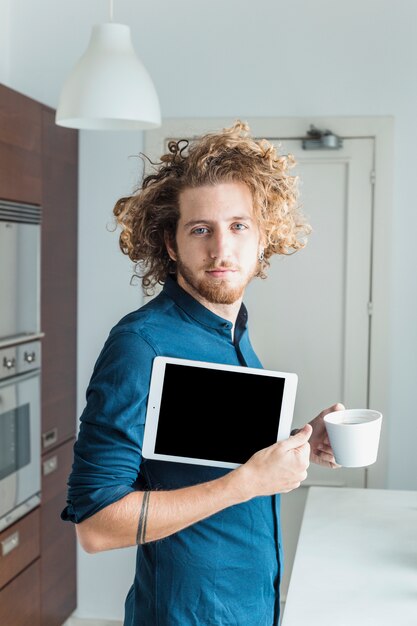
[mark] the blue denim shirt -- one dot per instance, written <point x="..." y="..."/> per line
<point x="221" y="571"/>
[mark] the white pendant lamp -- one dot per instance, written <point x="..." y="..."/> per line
<point x="109" y="88"/>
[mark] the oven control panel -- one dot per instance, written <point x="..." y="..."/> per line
<point x="19" y="359"/>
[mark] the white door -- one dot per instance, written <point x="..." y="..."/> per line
<point x="311" y="315"/>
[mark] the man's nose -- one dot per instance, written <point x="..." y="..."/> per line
<point x="220" y="245"/>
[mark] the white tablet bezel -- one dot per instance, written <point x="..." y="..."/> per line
<point x="154" y="403"/>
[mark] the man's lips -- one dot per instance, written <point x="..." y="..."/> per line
<point x="221" y="272"/>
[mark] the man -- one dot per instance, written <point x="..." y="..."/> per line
<point x="204" y="224"/>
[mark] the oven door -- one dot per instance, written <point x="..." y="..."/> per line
<point x="20" y="478"/>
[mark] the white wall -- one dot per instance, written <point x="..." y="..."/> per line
<point x="235" y="58"/>
<point x="109" y="169"/>
<point x="4" y="41"/>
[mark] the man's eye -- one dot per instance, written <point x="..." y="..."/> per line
<point x="239" y="226"/>
<point x="201" y="230"/>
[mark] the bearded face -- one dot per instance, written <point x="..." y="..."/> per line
<point x="217" y="243"/>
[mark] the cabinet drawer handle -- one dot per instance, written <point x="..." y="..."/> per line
<point x="10" y="543"/>
<point x="50" y="465"/>
<point x="50" y="437"/>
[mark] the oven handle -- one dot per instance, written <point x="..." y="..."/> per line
<point x="19" y="378"/>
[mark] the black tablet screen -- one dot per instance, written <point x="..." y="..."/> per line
<point x="216" y="414"/>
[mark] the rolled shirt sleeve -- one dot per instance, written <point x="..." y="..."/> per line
<point x="108" y="450"/>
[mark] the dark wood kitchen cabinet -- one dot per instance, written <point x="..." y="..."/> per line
<point x="39" y="165"/>
<point x="59" y="323"/>
<point x="20" y="546"/>
<point x="58" y="280"/>
<point x="58" y="543"/>
<point x="20" y="600"/>
<point x="20" y="592"/>
<point x="20" y="147"/>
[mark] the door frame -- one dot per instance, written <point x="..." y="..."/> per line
<point x="381" y="129"/>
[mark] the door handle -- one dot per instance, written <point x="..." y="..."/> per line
<point x="50" y="437"/>
<point x="50" y="465"/>
<point x="10" y="543"/>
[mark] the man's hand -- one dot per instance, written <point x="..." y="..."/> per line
<point x="321" y="452"/>
<point x="279" y="468"/>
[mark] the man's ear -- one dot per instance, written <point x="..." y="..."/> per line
<point x="263" y="243"/>
<point x="170" y="247"/>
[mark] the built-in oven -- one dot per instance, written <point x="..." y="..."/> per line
<point x="20" y="454"/>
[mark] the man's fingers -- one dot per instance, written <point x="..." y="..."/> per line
<point x="326" y="456"/>
<point x="335" y="407"/>
<point x="300" y="438"/>
<point x="323" y="447"/>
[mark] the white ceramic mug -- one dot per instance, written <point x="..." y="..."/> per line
<point x="354" y="436"/>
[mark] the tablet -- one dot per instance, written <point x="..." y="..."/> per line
<point x="214" y="414"/>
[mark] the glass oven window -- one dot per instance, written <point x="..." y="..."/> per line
<point x="14" y="440"/>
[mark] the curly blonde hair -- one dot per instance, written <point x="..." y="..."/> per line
<point x="151" y="214"/>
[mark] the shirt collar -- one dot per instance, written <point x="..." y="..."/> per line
<point x="198" y="312"/>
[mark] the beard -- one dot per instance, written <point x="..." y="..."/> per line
<point x="215" y="291"/>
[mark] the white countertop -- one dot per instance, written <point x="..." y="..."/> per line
<point x="356" y="560"/>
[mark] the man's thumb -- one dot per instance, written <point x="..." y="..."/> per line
<point x="301" y="437"/>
